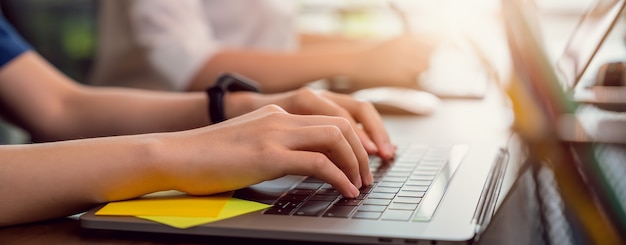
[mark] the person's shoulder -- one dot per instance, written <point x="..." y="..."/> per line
<point x="11" y="43"/>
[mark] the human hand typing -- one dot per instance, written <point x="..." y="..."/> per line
<point x="266" y="144"/>
<point x="363" y="117"/>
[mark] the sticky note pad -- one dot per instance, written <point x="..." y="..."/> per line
<point x="171" y="203"/>
<point x="234" y="207"/>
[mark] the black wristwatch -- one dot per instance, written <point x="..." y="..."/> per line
<point x="225" y="83"/>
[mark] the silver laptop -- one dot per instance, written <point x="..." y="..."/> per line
<point x="431" y="192"/>
<point x="599" y="117"/>
<point x="585" y="42"/>
<point x="585" y="166"/>
<point x="443" y="186"/>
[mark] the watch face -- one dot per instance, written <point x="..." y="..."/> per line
<point x="237" y="82"/>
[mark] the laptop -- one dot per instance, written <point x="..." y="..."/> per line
<point x="584" y="44"/>
<point x="584" y="166"/>
<point x="432" y="192"/>
<point x="599" y="117"/>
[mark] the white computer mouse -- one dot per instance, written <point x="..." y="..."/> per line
<point x="399" y="100"/>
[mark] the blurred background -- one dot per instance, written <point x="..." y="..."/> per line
<point x="65" y="31"/>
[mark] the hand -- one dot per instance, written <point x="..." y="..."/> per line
<point x="396" y="62"/>
<point x="266" y="144"/>
<point x="365" y="120"/>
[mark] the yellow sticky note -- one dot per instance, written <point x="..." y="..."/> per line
<point x="233" y="207"/>
<point x="170" y="203"/>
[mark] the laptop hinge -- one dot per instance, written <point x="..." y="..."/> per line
<point x="489" y="195"/>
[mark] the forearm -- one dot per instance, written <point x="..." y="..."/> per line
<point x="58" y="179"/>
<point x="311" y="42"/>
<point x="50" y="106"/>
<point x="115" y="111"/>
<point x="275" y="71"/>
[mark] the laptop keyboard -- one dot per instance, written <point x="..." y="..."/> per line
<point x="401" y="190"/>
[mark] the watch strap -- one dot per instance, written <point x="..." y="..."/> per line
<point x="225" y="83"/>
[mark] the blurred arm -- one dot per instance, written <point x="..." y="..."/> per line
<point x="51" y="106"/>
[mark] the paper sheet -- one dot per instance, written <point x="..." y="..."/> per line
<point x="171" y="203"/>
<point x="182" y="211"/>
<point x="234" y="207"/>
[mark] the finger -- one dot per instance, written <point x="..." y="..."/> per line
<point x="335" y="105"/>
<point x="332" y="141"/>
<point x="371" y="122"/>
<point x="316" y="164"/>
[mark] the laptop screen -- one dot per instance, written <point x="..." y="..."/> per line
<point x="586" y="40"/>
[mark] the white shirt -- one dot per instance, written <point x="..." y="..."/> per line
<point x="176" y="38"/>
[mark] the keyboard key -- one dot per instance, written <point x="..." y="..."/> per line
<point x="339" y="211"/>
<point x="428" y="167"/>
<point x="403" y="174"/>
<point x="322" y="198"/>
<point x="312" y="208"/>
<point x="278" y="211"/>
<point x="382" y="202"/>
<point x="403" y="206"/>
<point x="301" y="192"/>
<point x="361" y="196"/>
<point x="425" y="172"/>
<point x="419" y="182"/>
<point x="395" y="179"/>
<point x="382" y="195"/>
<point x="348" y="202"/>
<point x="415" y="188"/>
<point x="372" y="208"/>
<point x="288" y="198"/>
<point x="414" y="200"/>
<point x="422" y="177"/>
<point x="390" y="184"/>
<point x="411" y="194"/>
<point x="403" y="165"/>
<point x="328" y="192"/>
<point x="366" y="215"/>
<point x="287" y="204"/>
<point x="386" y="190"/>
<point x="366" y="189"/>
<point x="401" y="215"/>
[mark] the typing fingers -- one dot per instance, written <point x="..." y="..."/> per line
<point x="372" y="127"/>
<point x="308" y="163"/>
<point x="333" y="143"/>
<point x="310" y="102"/>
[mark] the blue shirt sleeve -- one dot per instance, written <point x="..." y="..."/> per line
<point x="11" y="44"/>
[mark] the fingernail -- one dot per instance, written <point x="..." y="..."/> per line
<point x="371" y="147"/>
<point x="355" y="191"/>
<point x="389" y="150"/>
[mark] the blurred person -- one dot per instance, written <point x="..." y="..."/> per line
<point x="93" y="145"/>
<point x="184" y="45"/>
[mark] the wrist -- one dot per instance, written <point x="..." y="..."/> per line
<point x="217" y="93"/>
<point x="157" y="162"/>
<point x="239" y="103"/>
<point x="348" y="64"/>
